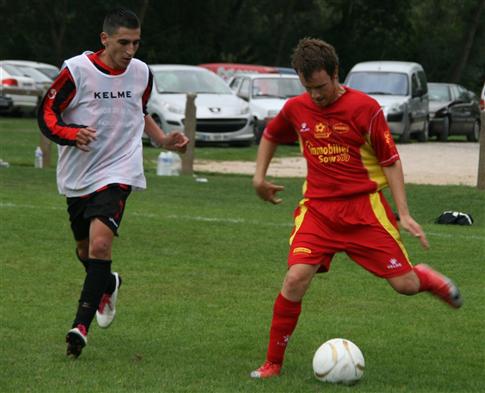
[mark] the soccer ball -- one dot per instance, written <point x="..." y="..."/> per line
<point x="338" y="361"/>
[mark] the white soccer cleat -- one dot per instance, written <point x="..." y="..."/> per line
<point x="107" y="306"/>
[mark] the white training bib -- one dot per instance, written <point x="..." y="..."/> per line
<point x="111" y="104"/>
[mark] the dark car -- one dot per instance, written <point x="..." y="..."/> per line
<point x="5" y="103"/>
<point x="453" y="110"/>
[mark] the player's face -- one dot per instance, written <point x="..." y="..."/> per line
<point x="323" y="88"/>
<point x="120" y="47"/>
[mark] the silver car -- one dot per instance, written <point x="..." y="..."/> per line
<point x="266" y="95"/>
<point x="21" y="89"/>
<point x="222" y="117"/>
<point x="401" y="89"/>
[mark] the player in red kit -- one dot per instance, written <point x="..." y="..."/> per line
<point x="351" y="157"/>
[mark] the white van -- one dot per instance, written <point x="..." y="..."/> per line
<point x="401" y="90"/>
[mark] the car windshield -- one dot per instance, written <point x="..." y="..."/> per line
<point x="439" y="92"/>
<point x="276" y="87"/>
<point x="189" y="81"/>
<point x="386" y="83"/>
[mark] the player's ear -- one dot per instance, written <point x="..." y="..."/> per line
<point x="104" y="38"/>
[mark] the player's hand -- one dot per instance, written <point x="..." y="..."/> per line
<point x="176" y="141"/>
<point x="267" y="191"/>
<point x="84" y="137"/>
<point x="408" y="223"/>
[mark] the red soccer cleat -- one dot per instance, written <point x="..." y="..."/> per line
<point x="267" y="370"/>
<point x="441" y="286"/>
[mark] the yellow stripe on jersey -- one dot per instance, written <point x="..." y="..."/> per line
<point x="299" y="218"/>
<point x="369" y="160"/>
<point x="380" y="212"/>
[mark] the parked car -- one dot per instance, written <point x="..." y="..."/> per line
<point x="19" y="88"/>
<point x="227" y="70"/>
<point x="6" y="104"/>
<point x="221" y="115"/>
<point x="49" y="70"/>
<point x="266" y="95"/>
<point x="42" y="81"/>
<point x="454" y="110"/>
<point x="401" y="90"/>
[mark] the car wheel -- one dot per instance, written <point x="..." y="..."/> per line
<point x="443" y="136"/>
<point x="257" y="132"/>
<point x="423" y="136"/>
<point x="475" y="133"/>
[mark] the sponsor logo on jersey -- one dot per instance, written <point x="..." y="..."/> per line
<point x="99" y="95"/>
<point x="301" y="250"/>
<point x="304" y="127"/>
<point x="393" y="264"/>
<point x="388" y="136"/>
<point x="341" y="128"/>
<point x="322" y="130"/>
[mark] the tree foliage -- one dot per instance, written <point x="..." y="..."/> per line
<point x="446" y="36"/>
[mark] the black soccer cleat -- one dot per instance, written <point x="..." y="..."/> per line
<point x="76" y="340"/>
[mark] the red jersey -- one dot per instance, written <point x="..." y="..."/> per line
<point x="345" y="144"/>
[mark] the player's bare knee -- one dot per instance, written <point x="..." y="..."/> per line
<point x="100" y="248"/>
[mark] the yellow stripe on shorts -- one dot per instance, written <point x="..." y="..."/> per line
<point x="380" y="212"/>
<point x="299" y="218"/>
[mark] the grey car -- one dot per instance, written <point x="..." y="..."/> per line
<point x="454" y="110"/>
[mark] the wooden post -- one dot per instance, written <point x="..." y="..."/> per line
<point x="481" y="157"/>
<point x="45" y="146"/>
<point x="189" y="130"/>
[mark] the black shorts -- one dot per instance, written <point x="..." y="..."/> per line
<point x="106" y="204"/>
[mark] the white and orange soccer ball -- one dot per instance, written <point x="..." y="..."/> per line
<point x="338" y="361"/>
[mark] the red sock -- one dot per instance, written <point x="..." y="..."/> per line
<point x="285" y="318"/>
<point x="423" y="275"/>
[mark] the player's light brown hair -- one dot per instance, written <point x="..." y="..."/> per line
<point x="312" y="54"/>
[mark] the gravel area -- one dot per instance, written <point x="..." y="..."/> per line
<point x="423" y="163"/>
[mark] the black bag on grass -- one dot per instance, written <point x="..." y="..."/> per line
<point x="457" y="218"/>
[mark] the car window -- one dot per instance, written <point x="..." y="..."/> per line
<point x="439" y="92"/>
<point x="276" y="87"/>
<point x="234" y="85"/>
<point x="462" y="94"/>
<point x="34" y="74"/>
<point x="189" y="81"/>
<point x="387" y="83"/>
<point x="423" y="83"/>
<point x="244" y="91"/>
<point x="12" y="70"/>
<point x="414" y="85"/>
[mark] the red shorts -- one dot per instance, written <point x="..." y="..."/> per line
<point x="363" y="227"/>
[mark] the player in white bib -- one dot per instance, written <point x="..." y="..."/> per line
<point x="96" y="111"/>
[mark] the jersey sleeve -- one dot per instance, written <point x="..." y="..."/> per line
<point x="280" y="130"/>
<point x="381" y="140"/>
<point x="53" y="104"/>
<point x="148" y="92"/>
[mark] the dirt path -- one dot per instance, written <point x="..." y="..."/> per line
<point x="424" y="163"/>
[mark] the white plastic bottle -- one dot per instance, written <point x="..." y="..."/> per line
<point x="163" y="164"/>
<point x="176" y="164"/>
<point x="39" y="158"/>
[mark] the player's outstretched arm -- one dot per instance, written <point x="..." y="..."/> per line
<point x="176" y="140"/>
<point x="395" y="178"/>
<point x="266" y="191"/>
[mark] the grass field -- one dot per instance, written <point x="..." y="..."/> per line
<point x="202" y="264"/>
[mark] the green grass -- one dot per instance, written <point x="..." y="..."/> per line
<point x="20" y="136"/>
<point x="202" y="264"/>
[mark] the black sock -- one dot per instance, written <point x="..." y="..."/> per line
<point x="85" y="262"/>
<point x="112" y="284"/>
<point x="95" y="283"/>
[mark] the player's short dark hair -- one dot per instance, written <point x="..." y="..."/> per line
<point x="120" y="17"/>
<point x="312" y="54"/>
